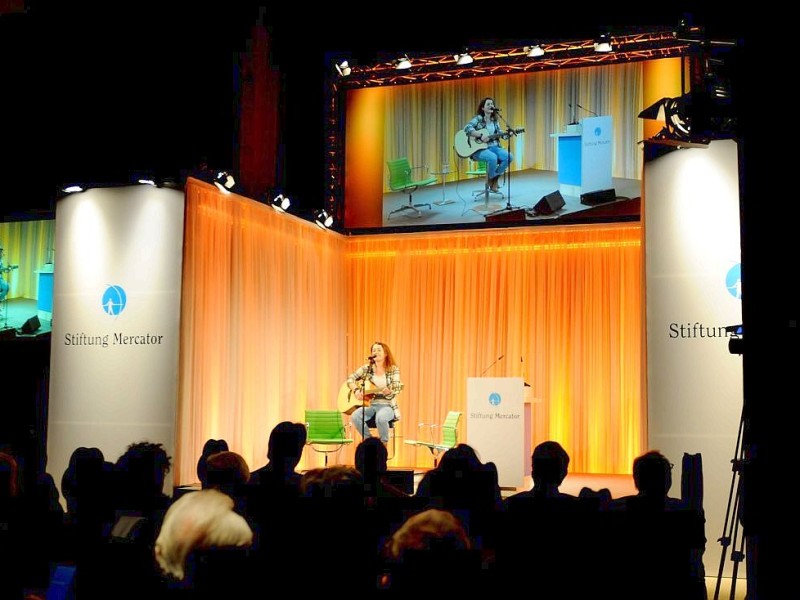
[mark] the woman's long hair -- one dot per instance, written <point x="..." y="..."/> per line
<point x="389" y="361"/>
<point x="493" y="116"/>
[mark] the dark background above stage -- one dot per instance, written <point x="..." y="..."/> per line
<point x="93" y="94"/>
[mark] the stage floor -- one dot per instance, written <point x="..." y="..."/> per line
<point x="454" y="202"/>
<point x="14" y="314"/>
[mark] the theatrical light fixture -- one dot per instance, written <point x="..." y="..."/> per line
<point x="534" y="51"/>
<point x="224" y="182"/>
<point x="343" y="68"/>
<point x="603" y="43"/>
<point x="323" y="219"/>
<point x="464" y="58"/>
<point x="672" y="111"/>
<point x="403" y="62"/>
<point x="73" y="189"/>
<point x="281" y="203"/>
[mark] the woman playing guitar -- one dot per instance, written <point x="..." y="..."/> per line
<point x="484" y="128"/>
<point x="4" y="269"/>
<point x="379" y="379"/>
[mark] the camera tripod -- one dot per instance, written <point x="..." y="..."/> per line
<point x="733" y="536"/>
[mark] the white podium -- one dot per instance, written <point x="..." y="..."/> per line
<point x="496" y="425"/>
<point x="585" y="154"/>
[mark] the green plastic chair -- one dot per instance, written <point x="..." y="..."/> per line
<point x="400" y="180"/>
<point x="326" y="431"/>
<point x="448" y="439"/>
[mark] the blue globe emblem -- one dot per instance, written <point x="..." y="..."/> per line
<point x="494" y="398"/>
<point x="597" y="132"/>
<point x="114" y="300"/>
<point x="733" y="281"/>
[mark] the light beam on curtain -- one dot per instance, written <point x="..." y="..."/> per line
<point x="562" y="305"/>
<point x="276" y="312"/>
<point x="262" y="324"/>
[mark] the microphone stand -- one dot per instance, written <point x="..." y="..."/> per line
<point x="508" y="207"/>
<point x="496" y="360"/>
<point x="369" y="374"/>
<point x="587" y="110"/>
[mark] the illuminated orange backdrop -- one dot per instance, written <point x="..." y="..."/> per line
<point x="276" y="312"/>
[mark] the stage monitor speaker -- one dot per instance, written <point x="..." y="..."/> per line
<point x="599" y="197"/>
<point x="402" y="479"/>
<point x="517" y="214"/>
<point x="30" y="325"/>
<point x="549" y="203"/>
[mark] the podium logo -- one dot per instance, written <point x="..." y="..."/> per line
<point x="494" y="398"/>
<point x="733" y="281"/>
<point x="597" y="132"/>
<point x="114" y="300"/>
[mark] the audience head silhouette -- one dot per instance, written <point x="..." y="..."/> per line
<point x="144" y="466"/>
<point x="371" y="457"/>
<point x="338" y="482"/>
<point x="211" y="446"/>
<point x="226" y="471"/>
<point x="84" y="475"/>
<point x="652" y="474"/>
<point x="199" y="520"/>
<point x="549" y="463"/>
<point x="432" y="529"/>
<point x="9" y="476"/>
<point x="286" y="443"/>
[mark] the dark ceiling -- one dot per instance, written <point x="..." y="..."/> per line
<point x="92" y="95"/>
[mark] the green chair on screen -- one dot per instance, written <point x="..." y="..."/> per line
<point x="401" y="180"/>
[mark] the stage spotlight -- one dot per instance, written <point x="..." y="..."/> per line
<point x="224" y="181"/>
<point x="73" y="189"/>
<point x="402" y="63"/>
<point x="323" y="220"/>
<point x="464" y="58"/>
<point x="343" y="68"/>
<point x="672" y="111"/>
<point x="281" y="203"/>
<point x="603" y="43"/>
<point x="534" y="51"/>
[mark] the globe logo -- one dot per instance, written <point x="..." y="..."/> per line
<point x="597" y="132"/>
<point x="494" y="398"/>
<point x="733" y="281"/>
<point x="114" y="300"/>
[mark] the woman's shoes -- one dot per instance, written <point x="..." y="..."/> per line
<point x="493" y="184"/>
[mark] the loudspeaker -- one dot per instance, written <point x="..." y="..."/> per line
<point x="401" y="478"/>
<point x="549" y="203"/>
<point x="30" y="325"/>
<point x="599" y="197"/>
<point x="507" y="215"/>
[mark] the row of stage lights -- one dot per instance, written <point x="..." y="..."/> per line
<point x="225" y="183"/>
<point x="602" y="44"/>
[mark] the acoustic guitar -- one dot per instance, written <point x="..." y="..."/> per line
<point x="466" y="146"/>
<point x="347" y="401"/>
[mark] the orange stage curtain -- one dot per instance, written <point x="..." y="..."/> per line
<point x="276" y="312"/>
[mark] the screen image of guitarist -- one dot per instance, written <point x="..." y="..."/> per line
<point x="4" y="268"/>
<point x="373" y="390"/>
<point x="484" y="132"/>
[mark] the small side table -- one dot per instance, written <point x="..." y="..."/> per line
<point x="444" y="172"/>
